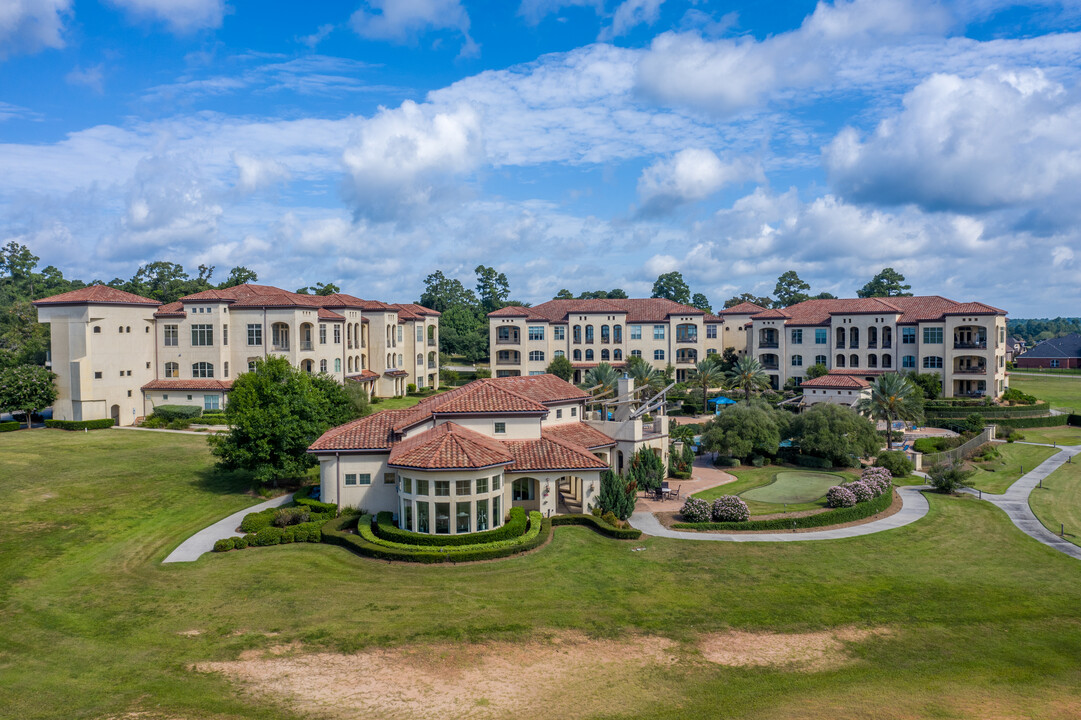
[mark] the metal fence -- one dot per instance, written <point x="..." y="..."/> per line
<point x="959" y="453"/>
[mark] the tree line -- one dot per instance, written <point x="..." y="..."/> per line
<point x="1037" y="330"/>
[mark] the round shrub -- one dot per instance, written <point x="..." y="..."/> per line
<point x="268" y="536"/>
<point x="224" y="545"/>
<point x="315" y="535"/>
<point x="300" y="534"/>
<point x="896" y="462"/>
<point x="254" y="522"/>
<point x="287" y="535"/>
<point x="729" y="508"/>
<point x="241" y="542"/>
<point x="862" y="491"/>
<point x="610" y="518"/>
<point x="839" y="497"/>
<point x="880" y="480"/>
<point x="696" y="510"/>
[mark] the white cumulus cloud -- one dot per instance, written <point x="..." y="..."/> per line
<point x="182" y="16"/>
<point x="27" y="26"/>
<point x="629" y="15"/>
<point x="404" y="21"/>
<point x="690" y="175"/>
<point x="255" y="172"/>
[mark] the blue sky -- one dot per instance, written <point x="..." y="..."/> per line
<point x="570" y="143"/>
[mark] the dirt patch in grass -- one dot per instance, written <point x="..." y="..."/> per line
<point x="807" y="652"/>
<point x="485" y="680"/>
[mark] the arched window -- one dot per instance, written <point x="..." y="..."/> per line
<point x="420" y="358"/>
<point x="431" y="359"/>
<point x="589" y="333"/>
<point x="362" y="361"/>
<point x="251" y="366"/>
<point x="337" y="365"/>
<point x="578" y="333"/>
<point x="854" y="360"/>
<point x="821" y="359"/>
<point x="577" y="356"/>
<point x="872" y="337"/>
<point x="797" y="360"/>
<point x="589" y="355"/>
<point x="605" y="355"/>
<point x="349" y="364"/>
<point x="279" y="333"/>
<point x="840" y="360"/>
<point x="887" y="361"/>
<point x="536" y="355"/>
<point x="617" y="354"/>
<point x="307" y="366"/>
<point x="202" y="370"/>
<point x="854" y="337"/>
<point x="401" y="361"/>
<point x="606" y="335"/>
<point x="172" y="370"/>
<point x="617" y="333"/>
<point x="322" y="366"/>
<point x="932" y="362"/>
<point x="558" y="353"/>
<point x="872" y="359"/>
<point x="840" y="338"/>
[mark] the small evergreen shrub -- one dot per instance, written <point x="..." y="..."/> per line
<point x="10" y="426"/>
<point x="268" y="536"/>
<point x="813" y="462"/>
<point x="722" y="461"/>
<point x="80" y="424"/>
<point x="177" y="412"/>
<point x="839" y="496"/>
<point x="730" y="508"/>
<point x="758" y="461"/>
<point x="241" y="542"/>
<point x="610" y="518"/>
<point x="225" y="545"/>
<point x="696" y="510"/>
<point x="896" y="462"/>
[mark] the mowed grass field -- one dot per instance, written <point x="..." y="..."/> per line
<point x="968" y="618"/>
<point x="1014" y="460"/>
<point x="767" y="493"/>
<point x="1051" y="435"/>
<point x="1062" y="391"/>
<point x="1058" y="503"/>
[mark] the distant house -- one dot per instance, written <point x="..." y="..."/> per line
<point x="837" y="387"/>
<point x="1014" y="347"/>
<point x="1062" y="352"/>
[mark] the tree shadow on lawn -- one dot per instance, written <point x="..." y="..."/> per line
<point x="222" y="481"/>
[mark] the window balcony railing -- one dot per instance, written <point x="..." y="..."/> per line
<point x="431" y="364"/>
<point x="431" y="341"/>
<point x="280" y="347"/>
<point x="977" y="345"/>
<point x="686" y="360"/>
<point x="692" y="339"/>
<point x="504" y="361"/>
<point x="769" y="344"/>
<point x="854" y="345"/>
<point x="306" y="346"/>
<point x="887" y="344"/>
<point x="840" y="344"/>
<point x="773" y="366"/>
<point x="974" y="370"/>
<point x="508" y="341"/>
<point x="872" y="345"/>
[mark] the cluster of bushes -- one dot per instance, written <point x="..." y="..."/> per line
<point x="217" y="418"/>
<point x="874" y="482"/>
<point x="514" y="527"/>
<point x="80" y="424"/>
<point x="680" y="465"/>
<point x="304" y="532"/>
<point x="177" y="412"/>
<point x="812" y="462"/>
<point x="725" y="461"/>
<point x="725" y="509"/>
<point x="366" y="543"/>
<point x="302" y="497"/>
<point x="281" y="518"/>
<point x="10" y="426"/>
<point x="837" y="516"/>
<point x="603" y="525"/>
<point x="986" y="453"/>
<point x="896" y="462"/>
<point x="929" y="445"/>
<point x="1014" y="435"/>
<point x="1016" y="397"/>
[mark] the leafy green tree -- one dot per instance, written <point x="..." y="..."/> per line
<point x="700" y="301"/>
<point x="442" y="293"/>
<point x="706" y="375"/>
<point x="561" y="367"/>
<point x="948" y="478"/>
<point x="239" y="275"/>
<point x="27" y="389"/>
<point x="726" y="360"/>
<point x="893" y="396"/>
<point x="816" y="371"/>
<point x="275" y="412"/>
<point x="824" y="296"/>
<point x="646" y="469"/>
<point x="482" y="373"/>
<point x="320" y="289"/>
<point x="888" y="283"/>
<point x="747" y="375"/>
<point x="672" y="286"/>
<point x="493" y="289"/>
<point x="764" y="302"/>
<point x="604" y="377"/>
<point x="745" y="430"/>
<point x="644" y="374"/>
<point x="564" y="294"/>
<point x="836" y="433"/>
<point x="929" y="383"/>
<point x="618" y="495"/>
<point x="357" y="395"/>
<point x="790" y="290"/>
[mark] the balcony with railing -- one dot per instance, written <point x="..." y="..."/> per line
<point x="769" y="338"/>
<point x="970" y="337"/>
<point x="505" y="336"/>
<point x="769" y="361"/>
<point x="306" y="346"/>
<point x="966" y="365"/>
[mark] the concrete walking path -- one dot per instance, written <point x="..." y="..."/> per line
<point x="914" y="506"/>
<point x="1014" y="502"/>
<point x="203" y="541"/>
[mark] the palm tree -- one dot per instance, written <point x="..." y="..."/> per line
<point x="892" y="396"/>
<point x="644" y="374"/>
<point x="603" y="375"/>
<point x="706" y="374"/>
<point x="747" y="375"/>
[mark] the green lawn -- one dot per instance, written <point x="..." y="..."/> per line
<point x="750" y="478"/>
<point x="400" y="403"/>
<point x="996" y="476"/>
<point x="979" y="620"/>
<point x="1061" y="435"/>
<point x="1062" y="391"/>
<point x="1058" y="502"/>
<point x="793" y="486"/>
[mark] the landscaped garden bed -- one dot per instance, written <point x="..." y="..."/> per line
<point x="301" y="521"/>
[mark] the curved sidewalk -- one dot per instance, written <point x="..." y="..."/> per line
<point x="1014" y="502"/>
<point x="203" y="541"/>
<point x="914" y="506"/>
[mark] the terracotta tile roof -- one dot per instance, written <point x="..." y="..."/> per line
<point x="579" y="434"/>
<point x="368" y="433"/>
<point x="635" y="309"/>
<point x="363" y="376"/>
<point x="196" y="384"/>
<point x="544" y="389"/>
<point x="417" y="311"/>
<point x="449" y="446"/>
<point x="395" y="373"/>
<point x="744" y="308"/>
<point x="551" y="453"/>
<point x="325" y="314"/>
<point x="860" y="372"/>
<point x="96" y="295"/>
<point x="237" y="292"/>
<point x="909" y="310"/>
<point x="836" y="382"/>
<point x="174" y="309"/>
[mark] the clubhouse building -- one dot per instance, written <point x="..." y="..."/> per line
<point x="119" y="355"/>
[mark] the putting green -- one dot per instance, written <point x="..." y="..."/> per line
<point x="794" y="487"/>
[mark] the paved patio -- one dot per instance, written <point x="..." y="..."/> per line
<point x="703" y="477"/>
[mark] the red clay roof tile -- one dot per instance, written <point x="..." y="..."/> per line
<point x="449" y="446"/>
<point x="96" y="295"/>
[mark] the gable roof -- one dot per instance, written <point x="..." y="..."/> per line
<point x="635" y="309"/>
<point x="908" y="310"/>
<point x="579" y="434"/>
<point x="194" y="384"/>
<point x="551" y="453"/>
<point x="373" y="432"/>
<point x="449" y="446"/>
<point x="836" y="382"/>
<point x="1067" y="346"/>
<point x="96" y="295"/>
<point x="744" y="308"/>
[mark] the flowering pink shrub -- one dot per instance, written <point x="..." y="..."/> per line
<point x="878" y="479"/>
<point x="862" y="491"/>
<point x="695" y="510"/>
<point x="729" y="508"/>
<point x="839" y="496"/>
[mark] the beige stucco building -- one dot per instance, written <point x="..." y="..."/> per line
<point x="456" y="462"/>
<point x="963" y="343"/>
<point x="120" y="355"/>
<point x="588" y="332"/>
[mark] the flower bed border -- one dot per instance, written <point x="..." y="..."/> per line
<point x="837" y="516"/>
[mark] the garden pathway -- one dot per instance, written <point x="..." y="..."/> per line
<point x="203" y="541"/>
<point x="913" y="507"/>
<point x="704" y="475"/>
<point x="1014" y="502"/>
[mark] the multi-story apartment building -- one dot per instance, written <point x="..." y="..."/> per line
<point x="524" y="340"/>
<point x="964" y="343"/>
<point x="119" y="355"/>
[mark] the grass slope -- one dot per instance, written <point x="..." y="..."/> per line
<point x="996" y="476"/>
<point x="1051" y="435"/>
<point x="1058" y="503"/>
<point x="984" y="622"/>
<point x="1062" y="391"/>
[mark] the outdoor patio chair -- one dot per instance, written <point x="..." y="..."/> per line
<point x="675" y="495"/>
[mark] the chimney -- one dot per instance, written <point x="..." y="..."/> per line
<point x="624" y="397"/>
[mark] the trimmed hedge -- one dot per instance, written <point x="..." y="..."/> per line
<point x="599" y="525"/>
<point x="987" y="411"/>
<point x="1051" y="421"/>
<point x="10" y="426"/>
<point x="830" y="517"/>
<point x="384" y="529"/>
<point x="537" y="535"/>
<point x="80" y="424"/>
<point x="722" y="461"/>
<point x="177" y="412"/>
<point x="212" y="420"/>
<point x="813" y="462"/>
<point x="300" y="497"/>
